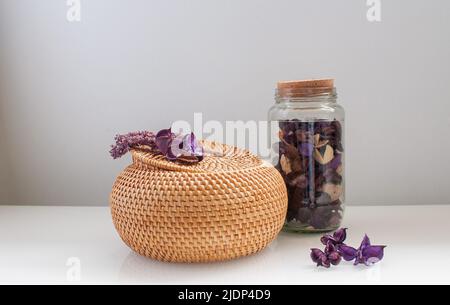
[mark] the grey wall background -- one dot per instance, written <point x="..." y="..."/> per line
<point x="67" y="88"/>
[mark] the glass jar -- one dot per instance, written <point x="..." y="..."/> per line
<point x="307" y="137"/>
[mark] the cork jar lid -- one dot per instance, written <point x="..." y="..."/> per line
<point x="305" y="88"/>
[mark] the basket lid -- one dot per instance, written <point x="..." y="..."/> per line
<point x="218" y="158"/>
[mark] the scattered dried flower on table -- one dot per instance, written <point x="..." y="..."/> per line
<point x="337" y="238"/>
<point x="330" y="256"/>
<point x="366" y="254"/>
<point x="336" y="249"/>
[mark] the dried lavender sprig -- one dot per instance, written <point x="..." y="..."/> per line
<point x="130" y="140"/>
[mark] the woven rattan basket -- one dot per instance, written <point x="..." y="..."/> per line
<point x="218" y="209"/>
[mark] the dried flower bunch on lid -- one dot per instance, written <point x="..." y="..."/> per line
<point x="309" y="153"/>
<point x="175" y="147"/>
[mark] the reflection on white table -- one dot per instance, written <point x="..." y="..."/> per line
<point x="79" y="245"/>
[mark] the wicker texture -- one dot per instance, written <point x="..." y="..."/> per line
<point x="218" y="209"/>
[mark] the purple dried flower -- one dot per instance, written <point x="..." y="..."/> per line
<point x="320" y="258"/>
<point x="191" y="147"/>
<point x="163" y="140"/>
<point x="337" y="238"/>
<point x="326" y="258"/>
<point x="130" y="140"/>
<point x="306" y="149"/>
<point x="334" y="258"/>
<point x="348" y="253"/>
<point x="365" y="254"/>
<point x="368" y="254"/>
<point x="335" y="250"/>
<point x="177" y="147"/>
<point x="173" y="147"/>
<point x="336" y="162"/>
<point x="332" y="253"/>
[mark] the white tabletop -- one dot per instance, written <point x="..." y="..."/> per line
<point x="80" y="245"/>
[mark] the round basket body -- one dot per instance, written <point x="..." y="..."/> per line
<point x="218" y="209"/>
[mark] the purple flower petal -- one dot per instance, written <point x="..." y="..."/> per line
<point x="186" y="149"/>
<point x="365" y="242"/>
<point x="330" y="248"/>
<point x="348" y="253"/>
<point x="368" y="254"/>
<point x="174" y="149"/>
<point x="325" y="262"/>
<point x="163" y="140"/>
<point x="372" y="254"/>
<point x="336" y="162"/>
<point x="326" y="239"/>
<point x="337" y="238"/>
<point x="334" y="258"/>
<point x="306" y="149"/>
<point x="195" y="149"/>
<point x="316" y="255"/>
<point x="340" y="235"/>
<point x="320" y="258"/>
<point x="359" y="259"/>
